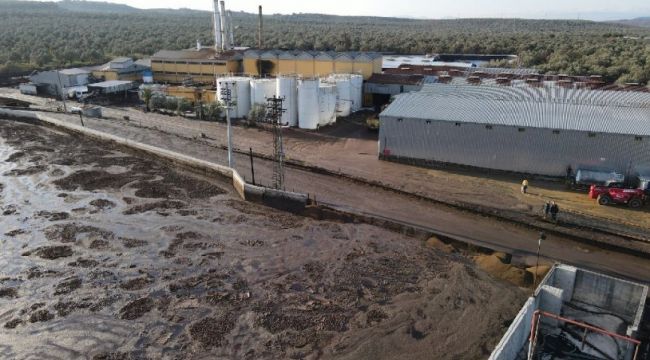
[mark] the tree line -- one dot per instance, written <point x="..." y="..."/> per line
<point x="40" y="35"/>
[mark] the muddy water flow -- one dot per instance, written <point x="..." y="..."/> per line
<point x="110" y="255"/>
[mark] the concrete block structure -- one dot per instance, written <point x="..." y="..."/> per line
<point x="535" y="130"/>
<point x="568" y="298"/>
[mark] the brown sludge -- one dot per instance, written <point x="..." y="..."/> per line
<point x="153" y="263"/>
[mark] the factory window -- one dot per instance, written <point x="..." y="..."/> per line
<point x="592" y="135"/>
<point x="638" y="138"/>
<point x="489" y="127"/>
<point x="457" y="124"/>
<point x="556" y="132"/>
<point x="521" y="129"/>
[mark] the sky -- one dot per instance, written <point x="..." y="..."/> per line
<point x="431" y="9"/>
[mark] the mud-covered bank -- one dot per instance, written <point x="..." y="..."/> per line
<point x="109" y="255"/>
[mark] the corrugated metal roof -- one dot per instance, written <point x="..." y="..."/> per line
<point x="74" y="71"/>
<point x="121" y="59"/>
<point x="396" y="79"/>
<point x="551" y="108"/>
<point x="110" y="83"/>
<point x="328" y="55"/>
<point x="193" y="54"/>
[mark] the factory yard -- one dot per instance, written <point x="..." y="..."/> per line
<point x="112" y="255"/>
<point x="349" y="149"/>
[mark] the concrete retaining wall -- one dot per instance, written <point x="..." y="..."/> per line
<point x="283" y="200"/>
<point x="517" y="335"/>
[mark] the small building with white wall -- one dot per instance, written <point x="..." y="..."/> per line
<point x="52" y="81"/>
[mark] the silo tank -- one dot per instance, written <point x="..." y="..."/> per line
<point x="356" y="87"/>
<point x="241" y="95"/>
<point x="326" y="104"/>
<point x="343" y="93"/>
<point x="308" y="110"/>
<point x="261" y="89"/>
<point x="287" y="87"/>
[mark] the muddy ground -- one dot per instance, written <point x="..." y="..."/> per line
<point x="107" y="255"/>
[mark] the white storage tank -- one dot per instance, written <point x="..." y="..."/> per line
<point x="356" y="87"/>
<point x="326" y="104"/>
<point x="343" y="93"/>
<point x="287" y="87"/>
<point x="261" y="89"/>
<point x="241" y="95"/>
<point x="308" y="111"/>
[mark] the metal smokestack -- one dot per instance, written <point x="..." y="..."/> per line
<point x="259" y="36"/>
<point x="231" y="30"/>
<point x="216" y="19"/>
<point x="224" y="27"/>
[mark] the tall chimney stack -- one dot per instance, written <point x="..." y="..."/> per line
<point x="259" y="37"/>
<point x="218" y="44"/>
<point x="231" y="30"/>
<point x="224" y="27"/>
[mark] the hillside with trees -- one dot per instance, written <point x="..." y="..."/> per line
<point x="39" y="35"/>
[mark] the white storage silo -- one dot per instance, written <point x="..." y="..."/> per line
<point x="343" y="93"/>
<point x="261" y="89"/>
<point x="326" y="104"/>
<point x="287" y="87"/>
<point x="308" y="111"/>
<point x="241" y="95"/>
<point x="356" y="87"/>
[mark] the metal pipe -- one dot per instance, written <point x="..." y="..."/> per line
<point x="259" y="36"/>
<point x="216" y="19"/>
<point x="539" y="313"/>
<point x="252" y="166"/>
<point x="590" y="327"/>
<point x="231" y="30"/>
<point x="224" y="28"/>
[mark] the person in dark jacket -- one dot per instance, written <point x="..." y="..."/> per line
<point x="554" y="210"/>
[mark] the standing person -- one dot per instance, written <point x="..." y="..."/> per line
<point x="547" y="209"/>
<point x="569" y="172"/>
<point x="554" y="210"/>
<point x="524" y="186"/>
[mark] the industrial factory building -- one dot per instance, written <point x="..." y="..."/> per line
<point x="310" y="63"/>
<point x="199" y="65"/>
<point x="122" y="69"/>
<point x="536" y="130"/>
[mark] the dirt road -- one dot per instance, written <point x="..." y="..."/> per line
<point x="349" y="149"/>
<point x="107" y="255"/>
<point x="372" y="200"/>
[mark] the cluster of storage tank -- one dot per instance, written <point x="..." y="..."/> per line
<point x="309" y="102"/>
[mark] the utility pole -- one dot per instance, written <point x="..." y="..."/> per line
<point x="226" y="97"/>
<point x="65" y="108"/>
<point x="542" y="236"/>
<point x="252" y="166"/>
<point x="274" y="113"/>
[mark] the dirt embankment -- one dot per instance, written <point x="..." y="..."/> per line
<point x="115" y="256"/>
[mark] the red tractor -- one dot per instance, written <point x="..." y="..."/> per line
<point x="608" y="195"/>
